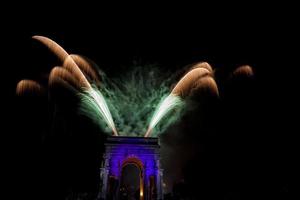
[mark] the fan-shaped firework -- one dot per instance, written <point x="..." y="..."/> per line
<point x="145" y="94"/>
<point x="77" y="78"/>
<point x="199" y="77"/>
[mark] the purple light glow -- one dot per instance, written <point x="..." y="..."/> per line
<point x="133" y="149"/>
<point x="143" y="152"/>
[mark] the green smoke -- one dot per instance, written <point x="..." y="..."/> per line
<point x="133" y="98"/>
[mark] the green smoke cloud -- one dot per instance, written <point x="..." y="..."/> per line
<point x="132" y="99"/>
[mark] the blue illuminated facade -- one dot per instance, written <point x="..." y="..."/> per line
<point x="142" y="152"/>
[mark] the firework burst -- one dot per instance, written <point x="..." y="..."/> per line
<point x="109" y="102"/>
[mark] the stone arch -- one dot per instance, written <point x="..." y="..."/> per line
<point x="139" y="164"/>
<point x="143" y="153"/>
<point x="133" y="160"/>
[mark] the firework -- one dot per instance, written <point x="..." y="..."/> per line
<point x="87" y="67"/>
<point x="139" y="98"/>
<point x="245" y="70"/>
<point x="187" y="83"/>
<point x="204" y="65"/>
<point x="62" y="73"/>
<point x="168" y="104"/>
<point x="95" y="100"/>
<point x="72" y="75"/>
<point x="28" y="86"/>
<point x="65" y="58"/>
<point x="198" y="78"/>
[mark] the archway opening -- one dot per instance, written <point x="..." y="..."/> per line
<point x="130" y="186"/>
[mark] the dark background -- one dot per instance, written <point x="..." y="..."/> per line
<point x="244" y="148"/>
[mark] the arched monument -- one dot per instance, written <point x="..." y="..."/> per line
<point x="139" y="151"/>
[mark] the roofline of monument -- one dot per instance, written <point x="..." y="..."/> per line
<point x="131" y="140"/>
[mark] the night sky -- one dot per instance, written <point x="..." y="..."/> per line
<point x="235" y="147"/>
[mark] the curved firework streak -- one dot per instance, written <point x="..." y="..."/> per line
<point x="203" y="65"/>
<point x="94" y="99"/>
<point x="52" y="46"/>
<point x="62" y="73"/>
<point x="199" y="77"/>
<point x="29" y="86"/>
<point x="206" y="82"/>
<point x="87" y="67"/>
<point x="78" y="72"/>
<point x="93" y="96"/>
<point x="165" y="106"/>
<point x="243" y="70"/>
<point x="185" y="84"/>
<point x="62" y="82"/>
<point x="64" y="57"/>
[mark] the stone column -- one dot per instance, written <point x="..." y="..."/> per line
<point x="104" y="177"/>
<point x="160" y="193"/>
<point x="104" y="171"/>
<point x="159" y="178"/>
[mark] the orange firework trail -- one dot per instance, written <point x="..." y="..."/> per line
<point x="204" y="65"/>
<point x="87" y="67"/>
<point x="65" y="58"/>
<point x="245" y="70"/>
<point x="187" y="83"/>
<point x="199" y="77"/>
<point x="72" y="74"/>
<point x="28" y="86"/>
<point x="62" y="73"/>
<point x="206" y="82"/>
<point x="79" y="74"/>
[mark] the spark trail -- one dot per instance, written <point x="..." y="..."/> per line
<point x="165" y="107"/>
<point x="199" y="77"/>
<point x="139" y="97"/>
<point x="72" y="74"/>
<point x="94" y="104"/>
